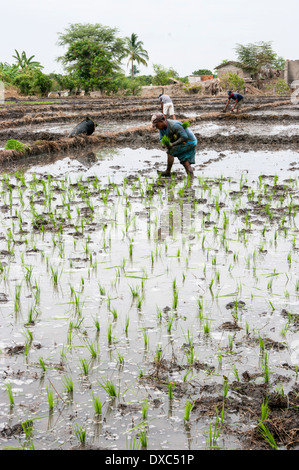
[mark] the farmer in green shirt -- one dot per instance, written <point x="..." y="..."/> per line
<point x="182" y="143"/>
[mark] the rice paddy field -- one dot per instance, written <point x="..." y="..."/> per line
<point x="142" y="312"/>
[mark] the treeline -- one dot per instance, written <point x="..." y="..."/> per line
<point x="93" y="60"/>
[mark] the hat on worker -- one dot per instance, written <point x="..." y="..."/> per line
<point x="229" y="92"/>
<point x="157" y="118"/>
<point x="160" y="95"/>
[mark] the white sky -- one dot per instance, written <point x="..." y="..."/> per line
<point x="185" y="35"/>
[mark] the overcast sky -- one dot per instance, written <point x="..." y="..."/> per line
<point x="185" y="35"/>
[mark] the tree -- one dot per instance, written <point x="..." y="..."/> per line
<point x="279" y="63"/>
<point x="25" y="63"/>
<point x="162" y="75"/>
<point x="8" y="72"/>
<point x="256" y="56"/>
<point x="135" y="52"/>
<point x="202" y="72"/>
<point x="93" y="55"/>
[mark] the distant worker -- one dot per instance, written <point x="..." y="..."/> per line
<point x="182" y="143"/>
<point x="167" y="107"/>
<point x="86" y="127"/>
<point x="239" y="101"/>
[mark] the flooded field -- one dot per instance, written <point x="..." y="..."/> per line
<point x="140" y="312"/>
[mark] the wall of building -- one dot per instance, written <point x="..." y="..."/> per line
<point x="291" y="71"/>
<point x="232" y="69"/>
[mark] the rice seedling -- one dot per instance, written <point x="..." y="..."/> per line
<point x="120" y="358"/>
<point x="17" y="302"/>
<point x="92" y="347"/>
<point x="144" y="410"/>
<point x="84" y="366"/>
<point x="158" y="355"/>
<point x="265" y="367"/>
<point x="80" y="434"/>
<point x="214" y="432"/>
<point x="10" y="394"/>
<point x="54" y="275"/>
<point x="145" y="338"/>
<point x="109" y="387"/>
<point x="114" y="313"/>
<point x="220" y="359"/>
<point x="68" y="383"/>
<point x="235" y="371"/>
<point x="97" y="404"/>
<point x="175" y="299"/>
<point x="188" y="408"/>
<point x="170" y="323"/>
<point x="170" y="390"/>
<point x="264" y="410"/>
<point x="231" y="341"/>
<point x="267" y="435"/>
<point x="143" y="439"/>
<point x="139" y="301"/>
<point x="97" y="326"/>
<point x="189" y="353"/>
<point x="225" y="388"/>
<point x="102" y="290"/>
<point x="50" y="396"/>
<point x="207" y="328"/>
<point x="42" y="363"/>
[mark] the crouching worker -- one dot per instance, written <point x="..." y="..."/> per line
<point x="237" y="98"/>
<point x="181" y="144"/>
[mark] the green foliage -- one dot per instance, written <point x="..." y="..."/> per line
<point x="41" y="83"/>
<point x="279" y="63"/>
<point x="128" y="86"/>
<point x="192" y="89"/>
<point x="8" y="72"/>
<point x="33" y="82"/>
<point x="162" y="75"/>
<point x="95" y="33"/>
<point x="25" y="63"/>
<point x="232" y="81"/>
<point x="281" y="87"/>
<point x="145" y="80"/>
<point x="255" y="56"/>
<point x="202" y="72"/>
<point x="62" y="82"/>
<point x="93" y="56"/>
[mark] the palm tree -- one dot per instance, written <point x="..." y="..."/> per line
<point x="136" y="52"/>
<point x="25" y="62"/>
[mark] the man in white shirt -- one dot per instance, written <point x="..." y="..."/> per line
<point x="167" y="107"/>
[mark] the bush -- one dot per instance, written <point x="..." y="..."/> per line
<point x="281" y="87"/>
<point x="33" y="82"/>
<point x="232" y="81"/>
<point x="192" y="89"/>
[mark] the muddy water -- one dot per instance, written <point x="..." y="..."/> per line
<point x="249" y="128"/>
<point x="207" y="273"/>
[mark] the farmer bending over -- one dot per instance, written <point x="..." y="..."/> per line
<point x="167" y="107"/>
<point x="182" y="143"/>
<point x="237" y="97"/>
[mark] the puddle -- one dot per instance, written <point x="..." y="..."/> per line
<point x="249" y="128"/>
